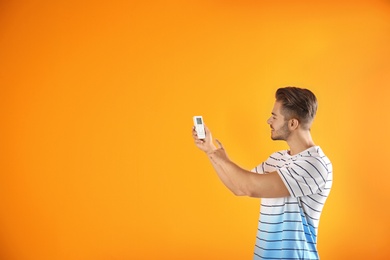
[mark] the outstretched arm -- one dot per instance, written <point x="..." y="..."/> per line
<point x="207" y="146"/>
<point x="238" y="180"/>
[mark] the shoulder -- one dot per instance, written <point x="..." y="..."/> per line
<point x="277" y="159"/>
<point x="314" y="159"/>
<point x="272" y="162"/>
<point x="316" y="155"/>
<point x="276" y="156"/>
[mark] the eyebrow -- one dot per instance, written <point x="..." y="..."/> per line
<point x="273" y="114"/>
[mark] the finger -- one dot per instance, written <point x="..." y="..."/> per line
<point x="199" y="141"/>
<point x="219" y="143"/>
<point x="194" y="133"/>
<point x="206" y="129"/>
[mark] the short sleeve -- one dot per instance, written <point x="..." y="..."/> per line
<point x="304" y="176"/>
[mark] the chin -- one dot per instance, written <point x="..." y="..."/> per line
<point x="277" y="138"/>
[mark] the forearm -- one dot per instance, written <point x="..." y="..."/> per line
<point x="225" y="178"/>
<point x="268" y="185"/>
<point x="237" y="176"/>
<point x="242" y="182"/>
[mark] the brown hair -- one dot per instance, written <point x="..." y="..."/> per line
<point x="298" y="103"/>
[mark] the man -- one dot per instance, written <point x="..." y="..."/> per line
<point x="293" y="184"/>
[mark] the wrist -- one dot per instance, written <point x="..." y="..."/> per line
<point x="210" y="151"/>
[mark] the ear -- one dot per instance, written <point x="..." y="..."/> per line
<point x="293" y="124"/>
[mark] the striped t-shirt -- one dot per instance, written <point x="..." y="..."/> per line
<point x="288" y="227"/>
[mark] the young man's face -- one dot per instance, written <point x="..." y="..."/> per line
<point x="278" y="123"/>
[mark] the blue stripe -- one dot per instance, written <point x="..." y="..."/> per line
<point x="286" y="240"/>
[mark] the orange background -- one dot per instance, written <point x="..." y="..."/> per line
<point x="97" y="98"/>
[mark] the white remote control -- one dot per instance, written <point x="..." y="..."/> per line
<point x="199" y="127"/>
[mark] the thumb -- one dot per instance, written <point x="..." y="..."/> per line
<point x="219" y="143"/>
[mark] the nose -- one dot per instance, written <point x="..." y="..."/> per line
<point x="269" y="121"/>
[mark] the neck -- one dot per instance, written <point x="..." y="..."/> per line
<point x="299" y="141"/>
